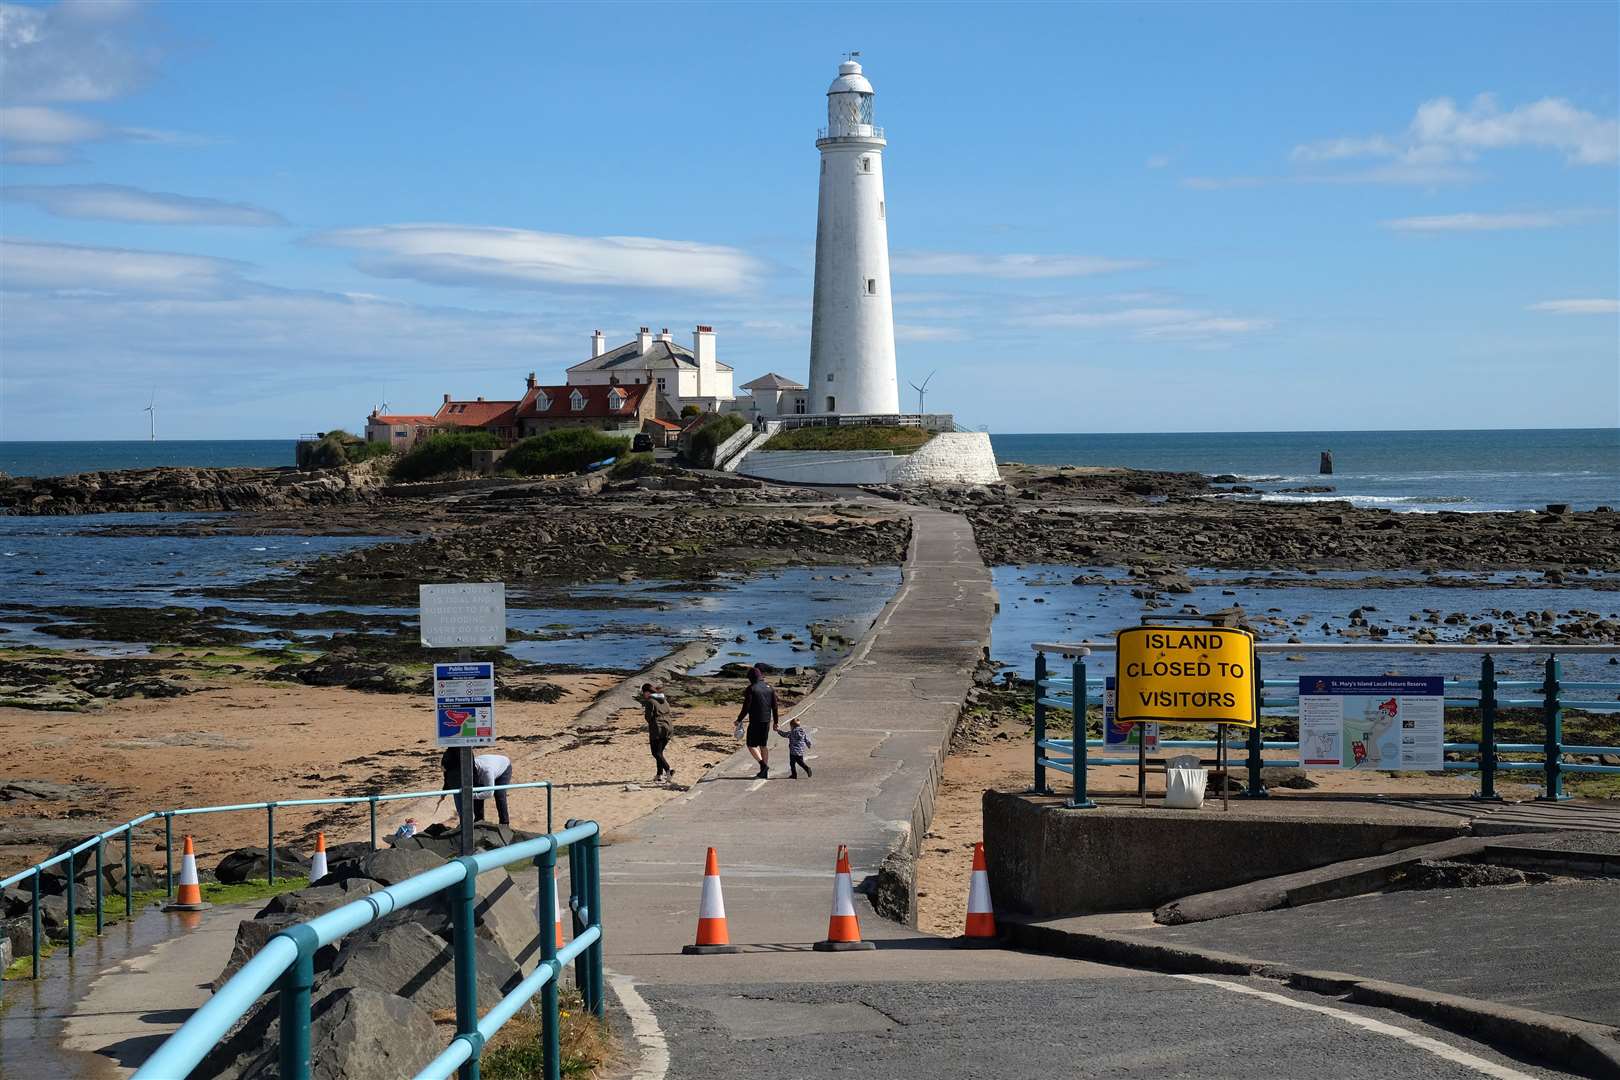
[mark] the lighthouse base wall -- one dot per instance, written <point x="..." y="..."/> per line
<point x="951" y="457"/>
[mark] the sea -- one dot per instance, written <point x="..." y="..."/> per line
<point x="1420" y="471"/>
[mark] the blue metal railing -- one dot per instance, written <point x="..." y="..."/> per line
<point x="99" y="842"/>
<point x="287" y="962"/>
<point x="1071" y="756"/>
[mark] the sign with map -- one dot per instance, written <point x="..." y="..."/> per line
<point x="464" y="704"/>
<point x="1374" y="722"/>
<point x="1128" y="732"/>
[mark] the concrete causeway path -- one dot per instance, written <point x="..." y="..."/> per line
<point x="881" y="723"/>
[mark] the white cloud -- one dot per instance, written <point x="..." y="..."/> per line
<point x="1594" y="306"/>
<point x="1014" y="267"/>
<point x="1157" y="161"/>
<point x="37" y="265"/>
<point x="520" y="259"/>
<point x="76" y="50"/>
<point x="114" y="202"/>
<point x="1156" y="322"/>
<point x="1440" y="132"/>
<point x="41" y="124"/>
<point x="1467" y="222"/>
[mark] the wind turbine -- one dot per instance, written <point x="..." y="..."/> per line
<point x="151" y="417"/>
<point x="922" y="391"/>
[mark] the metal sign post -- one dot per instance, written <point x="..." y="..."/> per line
<point x="460" y="616"/>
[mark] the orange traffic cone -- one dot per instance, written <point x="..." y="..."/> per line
<point x="188" y="897"/>
<point x="556" y="906"/>
<point x="981" y="916"/>
<point x="843" y="928"/>
<point x="317" y="861"/>
<point x="712" y="936"/>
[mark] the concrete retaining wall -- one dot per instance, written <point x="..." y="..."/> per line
<point x="951" y="457"/>
<point x="1047" y="861"/>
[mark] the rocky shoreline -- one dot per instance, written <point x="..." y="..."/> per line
<point x="188" y="489"/>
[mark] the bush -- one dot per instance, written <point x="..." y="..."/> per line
<point x="337" y="448"/>
<point x="628" y="468"/>
<point x="562" y="451"/>
<point x="702" y="445"/>
<point x="443" y="452"/>
<point x="901" y="440"/>
<point x="689" y="411"/>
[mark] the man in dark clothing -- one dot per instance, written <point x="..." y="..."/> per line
<point x="488" y="770"/>
<point x="759" y="709"/>
<point x="655" y="707"/>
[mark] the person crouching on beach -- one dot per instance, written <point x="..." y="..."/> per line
<point x="798" y="742"/>
<point x="759" y="709"/>
<point x="655" y="707"/>
<point x="488" y="769"/>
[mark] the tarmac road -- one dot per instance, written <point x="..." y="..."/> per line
<point x="1151" y="1027"/>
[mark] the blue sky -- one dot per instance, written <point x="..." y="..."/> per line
<point x="1102" y="217"/>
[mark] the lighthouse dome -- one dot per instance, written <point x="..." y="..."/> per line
<point x="850" y="80"/>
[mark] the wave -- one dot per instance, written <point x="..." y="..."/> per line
<point x="1370" y="500"/>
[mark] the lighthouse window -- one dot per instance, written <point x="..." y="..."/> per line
<point x="829" y="376"/>
<point x="832" y="404"/>
<point x="866" y="164"/>
<point x="871" y="286"/>
<point x="882" y="212"/>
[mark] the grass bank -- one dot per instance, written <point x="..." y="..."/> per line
<point x="900" y="440"/>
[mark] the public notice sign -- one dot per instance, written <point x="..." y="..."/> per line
<point x="463" y="615"/>
<point x="1118" y="732"/>
<point x="1202" y="675"/>
<point x="1381" y="722"/>
<point x="464" y="704"/>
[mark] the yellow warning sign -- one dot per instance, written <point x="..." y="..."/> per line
<point x="1185" y="675"/>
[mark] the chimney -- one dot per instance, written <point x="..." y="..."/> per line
<point x="663" y="335"/>
<point x="531" y="379"/>
<point x="598" y="344"/>
<point x="447" y="399"/>
<point x="644" y="340"/>
<point x="703" y="351"/>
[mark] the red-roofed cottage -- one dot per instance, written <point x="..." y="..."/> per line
<point x="399" y="430"/>
<point x="499" y="418"/>
<point x="612" y="407"/>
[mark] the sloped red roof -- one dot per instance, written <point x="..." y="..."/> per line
<point x="559" y="401"/>
<point x="667" y="425"/>
<point x="401" y="418"/>
<point x="475" y="413"/>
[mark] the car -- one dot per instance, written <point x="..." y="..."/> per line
<point x="642" y="443"/>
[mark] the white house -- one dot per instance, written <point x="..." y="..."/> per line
<point x="683" y="376"/>
<point x="774" y="395"/>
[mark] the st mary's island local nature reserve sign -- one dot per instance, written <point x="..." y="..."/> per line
<point x="1191" y="676"/>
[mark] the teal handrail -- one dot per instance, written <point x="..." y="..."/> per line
<point x="1051" y="691"/>
<point x="98" y="842"/>
<point x="286" y="962"/>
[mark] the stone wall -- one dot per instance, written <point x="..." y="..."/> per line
<point x="1047" y="861"/>
<point x="948" y="458"/>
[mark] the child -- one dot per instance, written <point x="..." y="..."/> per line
<point x="798" y="742"/>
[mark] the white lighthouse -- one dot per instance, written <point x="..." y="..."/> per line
<point x="852" y="326"/>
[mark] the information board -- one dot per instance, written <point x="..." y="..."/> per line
<point x="463" y="615"/>
<point x="1373" y="722"/>
<point x="464" y="704"/>
<point x="1117" y="732"/>
<point x="1202" y="675"/>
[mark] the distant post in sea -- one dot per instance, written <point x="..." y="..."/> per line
<point x="1326" y="468"/>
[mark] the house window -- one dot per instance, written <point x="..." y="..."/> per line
<point x="401" y="434"/>
<point x="543" y="403"/>
<point x="615" y="401"/>
<point x="661" y="387"/>
<point x="871" y="286"/>
<point x="576" y="401"/>
<point x="798" y="406"/>
<point x="832" y="404"/>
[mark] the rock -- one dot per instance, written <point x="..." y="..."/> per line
<point x="319" y="899"/>
<point x="388" y="866"/>
<point x="251" y="936"/>
<point x="253" y="864"/>
<point x="19" y="932"/>
<point x="46" y="791"/>
<point x="1276" y="776"/>
<point x="501" y="912"/>
<point x="356" y="1033"/>
<point x="445" y="840"/>
<point x="409" y="960"/>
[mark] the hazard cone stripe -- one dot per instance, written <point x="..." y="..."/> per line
<point x="981" y="919"/>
